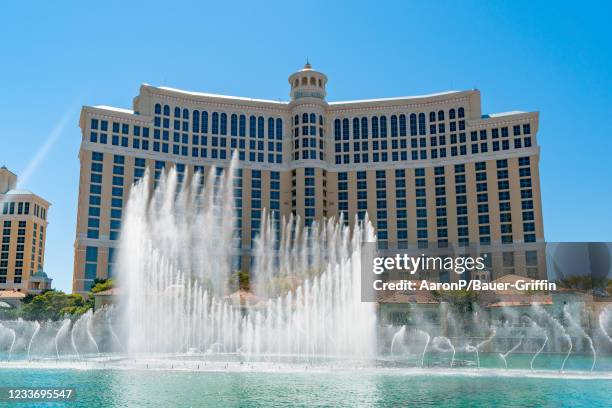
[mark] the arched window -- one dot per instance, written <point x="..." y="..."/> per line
<point x="242" y="128"/>
<point x="345" y="129"/>
<point x="279" y="129"/>
<point x="260" y="127"/>
<point x="393" y="126"/>
<point x="158" y="108"/>
<point x="402" y="125"/>
<point x="320" y="84"/>
<point x="252" y="126"/>
<point x="215" y="123"/>
<point x="461" y="112"/>
<point x="313" y="81"/>
<point x="421" y="124"/>
<point x="196" y="121"/>
<point x="321" y="120"/>
<point x="296" y="120"/>
<point x="185" y="114"/>
<point x="432" y="116"/>
<point x="224" y="123"/>
<point x="364" y="128"/>
<point x="296" y="83"/>
<point x="441" y="115"/>
<point x="451" y="114"/>
<point x="355" y="128"/>
<point x="177" y="112"/>
<point x="304" y="81"/>
<point x="204" y="122"/>
<point x="383" y="126"/>
<point x="413" y="124"/>
<point x="337" y="129"/>
<point x="304" y="118"/>
<point x="374" y="126"/>
<point x="234" y="125"/>
<point x="313" y="118"/>
<point x="166" y="110"/>
<point x="271" y="128"/>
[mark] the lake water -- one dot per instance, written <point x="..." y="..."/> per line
<point x="195" y="382"/>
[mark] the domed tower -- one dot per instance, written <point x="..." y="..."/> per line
<point x="308" y="83"/>
<point x="308" y="107"/>
<point x="309" y="177"/>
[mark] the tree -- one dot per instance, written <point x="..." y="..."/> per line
<point x="100" y="285"/>
<point x="239" y="280"/>
<point x="54" y="305"/>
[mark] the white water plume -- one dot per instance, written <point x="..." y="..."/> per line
<point x="507" y="353"/>
<point x="581" y="331"/>
<point x="176" y="252"/>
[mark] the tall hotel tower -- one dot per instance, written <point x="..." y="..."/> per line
<point x="23" y="230"/>
<point x="426" y="169"/>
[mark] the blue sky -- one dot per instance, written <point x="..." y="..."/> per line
<point x="549" y="57"/>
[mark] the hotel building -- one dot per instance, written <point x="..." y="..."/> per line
<point x="23" y="223"/>
<point x="430" y="169"/>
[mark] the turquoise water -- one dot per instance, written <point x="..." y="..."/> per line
<point x="99" y="388"/>
<point x="308" y="386"/>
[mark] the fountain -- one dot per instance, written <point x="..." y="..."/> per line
<point x="579" y="329"/>
<point x="428" y="338"/>
<point x="63" y="329"/>
<point x="36" y="330"/>
<point x="604" y="316"/>
<point x="507" y="353"/>
<point x="190" y="296"/>
<point x="440" y="342"/>
<point x="397" y="336"/>
<point x="184" y="304"/>
<point x="538" y="353"/>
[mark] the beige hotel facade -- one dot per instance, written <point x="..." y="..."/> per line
<point x="23" y="231"/>
<point x="428" y="170"/>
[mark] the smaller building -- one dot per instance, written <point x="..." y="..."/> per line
<point x="39" y="282"/>
<point x="11" y="299"/>
<point x="23" y="228"/>
<point x="106" y="297"/>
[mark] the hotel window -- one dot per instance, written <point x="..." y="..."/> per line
<point x="204" y="118"/>
<point x="383" y="126"/>
<point x="242" y="126"/>
<point x="91" y="262"/>
<point x="364" y="128"/>
<point x="526" y="129"/>
<point x="413" y="124"/>
<point x="223" y="123"/>
<point x="279" y="129"/>
<point x="215" y="123"/>
<point x="252" y="126"/>
<point x="374" y="126"/>
<point x="422" y="128"/>
<point x="402" y="125"/>
<point x="345" y="129"/>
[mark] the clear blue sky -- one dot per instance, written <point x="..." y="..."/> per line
<point x="548" y="57"/>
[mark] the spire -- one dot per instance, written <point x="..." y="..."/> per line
<point x="307" y="65"/>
